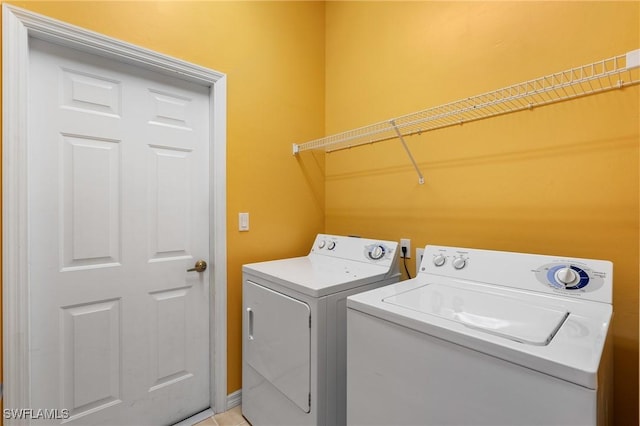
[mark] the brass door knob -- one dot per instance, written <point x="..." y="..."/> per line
<point x="200" y="266"/>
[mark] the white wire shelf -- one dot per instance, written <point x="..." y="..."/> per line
<point x="597" y="77"/>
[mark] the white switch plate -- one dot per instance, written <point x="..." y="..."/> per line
<point x="419" y="255"/>
<point x="243" y="221"/>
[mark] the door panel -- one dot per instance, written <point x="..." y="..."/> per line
<point x="90" y="93"/>
<point x="119" y="210"/>
<point x="91" y="356"/>
<point x="170" y="110"/>
<point x="90" y="201"/>
<point x="169" y="193"/>
<point x="278" y="341"/>
<point x="168" y="338"/>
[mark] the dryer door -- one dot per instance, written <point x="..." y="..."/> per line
<point x="278" y="341"/>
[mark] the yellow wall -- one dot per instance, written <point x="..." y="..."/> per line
<point x="273" y="55"/>
<point x="561" y="179"/>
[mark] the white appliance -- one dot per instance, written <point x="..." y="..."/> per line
<point x="294" y="328"/>
<point x="483" y="338"/>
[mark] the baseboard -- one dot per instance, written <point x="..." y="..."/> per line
<point x="234" y="399"/>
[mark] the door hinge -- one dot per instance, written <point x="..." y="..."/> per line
<point x="309" y="400"/>
<point x="309" y="321"/>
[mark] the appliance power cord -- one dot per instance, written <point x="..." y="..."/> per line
<point x="404" y="261"/>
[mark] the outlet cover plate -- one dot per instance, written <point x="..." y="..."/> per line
<point x="405" y="242"/>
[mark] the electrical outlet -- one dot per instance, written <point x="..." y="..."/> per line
<point x="405" y="242"/>
<point x="419" y="255"/>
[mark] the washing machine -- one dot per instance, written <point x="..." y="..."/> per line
<point x="294" y="328"/>
<point x="483" y="337"/>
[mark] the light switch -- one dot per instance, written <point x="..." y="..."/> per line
<point x="243" y="221"/>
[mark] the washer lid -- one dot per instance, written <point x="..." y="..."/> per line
<point x="517" y="320"/>
<point x="573" y="353"/>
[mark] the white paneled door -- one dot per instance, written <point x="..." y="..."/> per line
<point x="118" y="178"/>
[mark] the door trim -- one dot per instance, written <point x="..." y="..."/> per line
<point x="17" y="27"/>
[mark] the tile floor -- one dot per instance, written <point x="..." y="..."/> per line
<point x="232" y="417"/>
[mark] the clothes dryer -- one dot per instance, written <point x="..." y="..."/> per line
<point x="294" y="328"/>
<point x="483" y="338"/>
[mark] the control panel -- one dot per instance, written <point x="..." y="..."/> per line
<point x="585" y="278"/>
<point x="570" y="276"/>
<point x="354" y="248"/>
<point x="456" y="260"/>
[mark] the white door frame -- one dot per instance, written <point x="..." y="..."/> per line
<point x="17" y="26"/>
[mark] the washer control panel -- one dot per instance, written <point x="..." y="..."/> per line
<point x="574" y="277"/>
<point x="568" y="276"/>
<point x="446" y="259"/>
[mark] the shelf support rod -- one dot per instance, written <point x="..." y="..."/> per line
<point x="406" y="148"/>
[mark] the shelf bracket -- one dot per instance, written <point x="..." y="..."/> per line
<point x="406" y="148"/>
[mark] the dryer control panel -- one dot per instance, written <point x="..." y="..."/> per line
<point x="574" y="277"/>
<point x="358" y="249"/>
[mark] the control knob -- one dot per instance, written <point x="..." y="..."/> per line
<point x="321" y="244"/>
<point x="566" y="276"/>
<point x="377" y="253"/>
<point x="459" y="262"/>
<point x="332" y="245"/>
<point x="439" y="260"/>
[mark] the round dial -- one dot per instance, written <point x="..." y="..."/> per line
<point x="321" y="244"/>
<point x="377" y="253"/>
<point x="439" y="260"/>
<point x="332" y="245"/>
<point x="459" y="262"/>
<point x="566" y="276"/>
